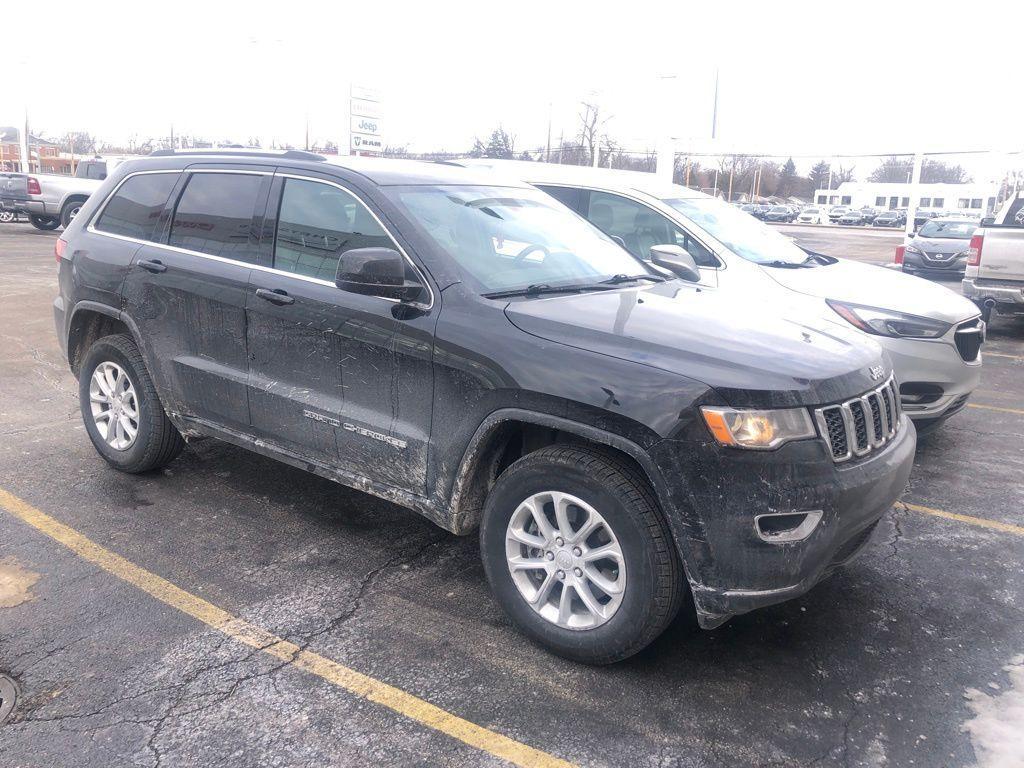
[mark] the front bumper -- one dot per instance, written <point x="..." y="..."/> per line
<point x="915" y="262"/>
<point x="731" y="567"/>
<point x="933" y="362"/>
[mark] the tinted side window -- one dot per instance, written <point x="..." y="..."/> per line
<point x="214" y="215"/>
<point x="639" y="228"/>
<point x="565" y="195"/>
<point x="316" y="223"/>
<point x="135" y="208"/>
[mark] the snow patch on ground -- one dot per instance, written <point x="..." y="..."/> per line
<point x="997" y="730"/>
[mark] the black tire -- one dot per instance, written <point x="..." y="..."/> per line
<point x="655" y="585"/>
<point x="157" y="442"/>
<point x="45" y="223"/>
<point x="69" y="212"/>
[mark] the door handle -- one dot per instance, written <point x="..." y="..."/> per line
<point x="276" y="296"/>
<point x="153" y="266"/>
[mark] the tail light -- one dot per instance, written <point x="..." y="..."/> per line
<point x="900" y="250"/>
<point x="33" y="186"/>
<point x="59" y="247"/>
<point x="974" y="251"/>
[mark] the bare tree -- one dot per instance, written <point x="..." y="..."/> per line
<point x="591" y="125"/>
<point x="77" y="142"/>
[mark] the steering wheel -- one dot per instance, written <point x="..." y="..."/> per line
<point x="530" y="249"/>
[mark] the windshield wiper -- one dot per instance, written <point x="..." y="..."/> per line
<point x="540" y="289"/>
<point x="623" y="278"/>
<point x="790" y="264"/>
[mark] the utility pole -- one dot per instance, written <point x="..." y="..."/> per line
<point x="714" y="110"/>
<point x="915" y="192"/>
<point x="732" y="173"/>
<point x="26" y="159"/>
<point x="547" y="157"/>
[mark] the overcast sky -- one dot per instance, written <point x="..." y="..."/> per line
<point x="802" y="79"/>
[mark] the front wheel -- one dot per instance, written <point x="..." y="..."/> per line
<point x="121" y="410"/>
<point x="44" y="223"/>
<point x="6" y="217"/>
<point x="578" y="554"/>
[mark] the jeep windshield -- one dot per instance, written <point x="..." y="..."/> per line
<point x="745" y="236"/>
<point x="509" y="239"/>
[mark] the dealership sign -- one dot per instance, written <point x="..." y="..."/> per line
<point x="361" y="142"/>
<point x="368" y="125"/>
<point x="364" y="108"/>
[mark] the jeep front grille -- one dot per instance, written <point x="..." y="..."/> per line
<point x="859" y="426"/>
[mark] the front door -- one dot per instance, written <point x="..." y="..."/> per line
<point x="187" y="295"/>
<point x="639" y="227"/>
<point x="341" y="378"/>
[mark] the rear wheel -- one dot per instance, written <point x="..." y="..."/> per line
<point x="578" y="554"/>
<point x="45" y="223"/>
<point x="121" y="409"/>
<point x="71" y="209"/>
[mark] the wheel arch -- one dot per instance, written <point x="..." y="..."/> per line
<point x="493" y="447"/>
<point x="91" y="320"/>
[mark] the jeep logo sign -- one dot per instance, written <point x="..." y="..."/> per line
<point x="369" y="125"/>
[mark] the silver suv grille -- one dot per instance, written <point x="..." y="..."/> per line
<point x="861" y="425"/>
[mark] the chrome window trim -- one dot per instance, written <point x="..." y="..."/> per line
<point x="259" y="267"/>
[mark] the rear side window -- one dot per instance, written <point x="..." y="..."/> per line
<point x="316" y="223"/>
<point x="134" y="210"/>
<point x="565" y="195"/>
<point x="214" y="215"/>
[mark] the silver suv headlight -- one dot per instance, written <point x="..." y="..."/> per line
<point x="888" y="322"/>
<point x="757" y="429"/>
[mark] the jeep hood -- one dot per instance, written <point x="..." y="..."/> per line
<point x="880" y="287"/>
<point x="751" y="352"/>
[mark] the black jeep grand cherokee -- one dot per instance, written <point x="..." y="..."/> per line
<point x="622" y="438"/>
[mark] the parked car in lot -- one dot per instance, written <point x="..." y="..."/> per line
<point x="852" y="218"/>
<point x="813" y="215"/>
<point x="933" y="334"/>
<point x="469" y="348"/>
<point x="994" y="275"/>
<point x="836" y="212"/>
<point x="890" y="219"/>
<point x="49" y="200"/>
<point x="869" y="214"/>
<point x="920" y="217"/>
<point x="939" y="246"/>
<point x="780" y="213"/>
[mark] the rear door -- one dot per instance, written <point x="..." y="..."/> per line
<point x="186" y="293"/>
<point x="341" y="378"/>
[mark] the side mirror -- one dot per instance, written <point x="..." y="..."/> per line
<point x="988" y="221"/>
<point x="375" y="272"/>
<point x="677" y="261"/>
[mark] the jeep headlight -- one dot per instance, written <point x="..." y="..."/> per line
<point x="757" y="429"/>
<point x="888" y="322"/>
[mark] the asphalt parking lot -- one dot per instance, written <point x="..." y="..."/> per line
<point x="231" y="610"/>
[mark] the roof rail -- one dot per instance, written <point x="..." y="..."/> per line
<point x="288" y="154"/>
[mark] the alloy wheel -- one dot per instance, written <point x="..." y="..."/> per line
<point x="115" y="406"/>
<point x="565" y="560"/>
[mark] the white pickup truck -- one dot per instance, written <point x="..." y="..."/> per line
<point x="994" y="278"/>
<point x="51" y="200"/>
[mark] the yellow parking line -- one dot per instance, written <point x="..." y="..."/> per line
<point x="1018" y="411"/>
<point x="242" y="631"/>
<point x="1003" y="354"/>
<point x="979" y="521"/>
